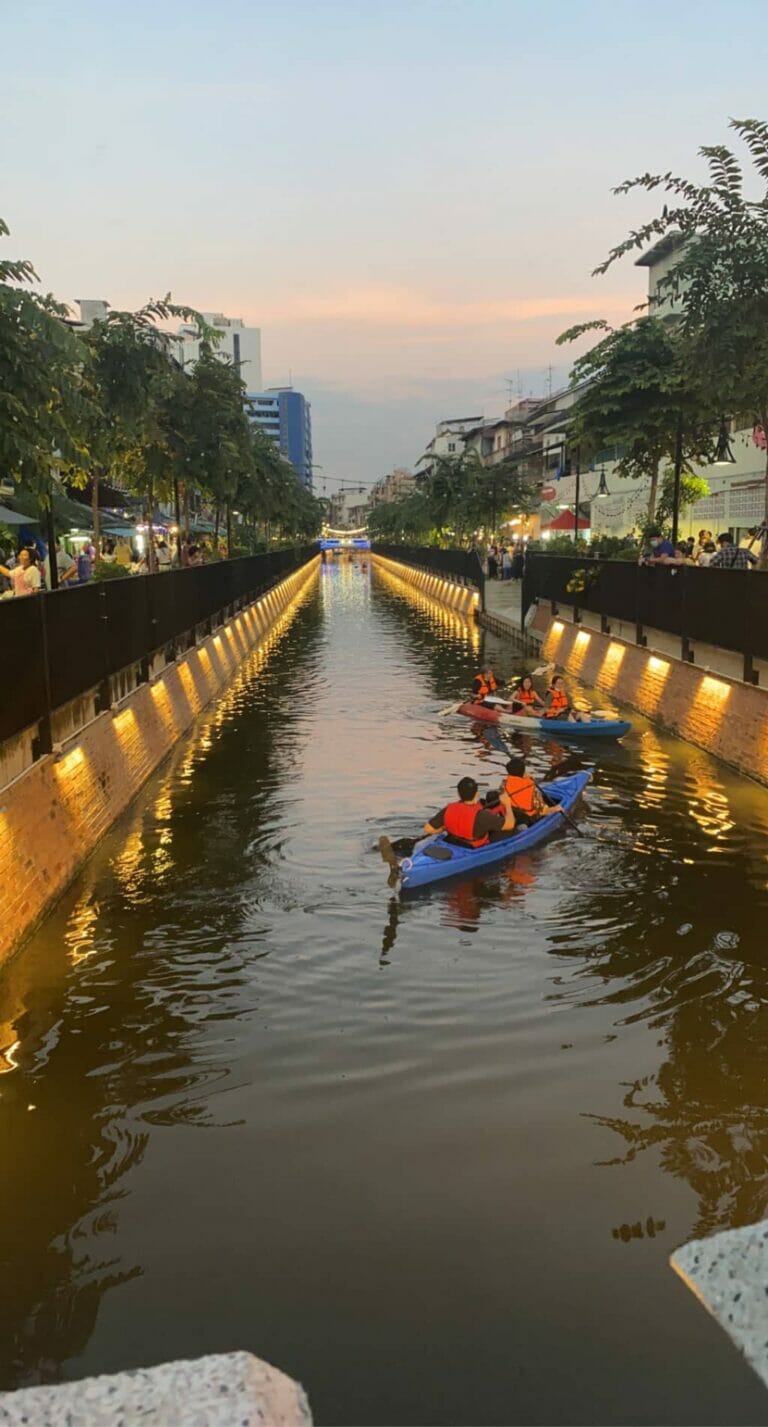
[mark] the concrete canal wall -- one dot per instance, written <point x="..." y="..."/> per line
<point x="716" y="712"/>
<point x="438" y="587"/>
<point x="53" y="813"/>
<point x="222" y="1390"/>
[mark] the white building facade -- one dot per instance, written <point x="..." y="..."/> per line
<point x="241" y="344"/>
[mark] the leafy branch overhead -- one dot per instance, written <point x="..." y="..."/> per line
<point x="701" y="350"/>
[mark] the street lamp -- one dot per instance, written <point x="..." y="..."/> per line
<point x="723" y="454"/>
<point x="602" y="489"/>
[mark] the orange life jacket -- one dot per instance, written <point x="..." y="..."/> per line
<point x="558" y="703"/>
<point x="487" y="686"/>
<point x="524" y="696"/>
<point x="521" y="793"/>
<point x="459" y="821"/>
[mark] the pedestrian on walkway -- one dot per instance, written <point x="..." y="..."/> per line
<point x="493" y="562"/>
<point x="730" y="556"/>
<point x="65" y="565"/>
<point x="506" y="564"/>
<point x="704" y="556"/>
<point x="24" y="576"/>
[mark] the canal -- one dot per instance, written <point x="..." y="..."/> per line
<point x="429" y="1157"/>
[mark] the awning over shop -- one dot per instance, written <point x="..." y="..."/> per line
<point x="566" y="521"/>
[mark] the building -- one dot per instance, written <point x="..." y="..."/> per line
<point x="395" y="486"/>
<point x="349" y="508"/>
<point x="92" y="309"/>
<point x="661" y="260"/>
<point x="286" y="416"/>
<point x="448" y="441"/>
<point x="241" y="344"/>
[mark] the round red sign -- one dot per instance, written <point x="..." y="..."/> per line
<point x="548" y="493"/>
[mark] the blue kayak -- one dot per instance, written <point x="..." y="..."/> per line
<point x="424" y="867"/>
<point x="595" y="728"/>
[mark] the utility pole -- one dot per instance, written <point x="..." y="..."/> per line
<point x="578" y="492"/>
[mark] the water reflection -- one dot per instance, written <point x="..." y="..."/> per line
<point x="106" y="1042"/>
<point x="276" y="1107"/>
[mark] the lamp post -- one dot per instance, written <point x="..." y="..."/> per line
<point x="678" y="473"/>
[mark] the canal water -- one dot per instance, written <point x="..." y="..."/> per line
<point x="428" y="1156"/>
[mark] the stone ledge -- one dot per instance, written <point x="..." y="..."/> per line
<point x="222" y="1390"/>
<point x="729" y="1275"/>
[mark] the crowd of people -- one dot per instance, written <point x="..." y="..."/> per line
<point x="27" y="569"/>
<point x="505" y="562"/>
<point x="705" y="552"/>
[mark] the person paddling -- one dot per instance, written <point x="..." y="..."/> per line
<point x="559" y="706"/>
<point x="525" y="699"/>
<point x="483" y="684"/>
<point x="521" y="795"/>
<point x="467" y="822"/>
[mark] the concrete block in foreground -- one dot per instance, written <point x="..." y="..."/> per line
<point x="729" y="1274"/>
<point x="223" y="1390"/>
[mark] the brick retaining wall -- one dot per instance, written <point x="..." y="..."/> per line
<point x="724" y="716"/>
<point x="53" y="815"/>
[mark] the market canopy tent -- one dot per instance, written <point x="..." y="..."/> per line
<point x="566" y="521"/>
<point x="12" y="517"/>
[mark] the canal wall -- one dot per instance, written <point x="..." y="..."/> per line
<point x="53" y="814"/>
<point x="438" y="587"/>
<point x="720" y="714"/>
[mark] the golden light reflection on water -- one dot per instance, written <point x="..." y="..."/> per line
<point x="79" y="935"/>
<point x="82" y="934"/>
<point x="439" y="614"/>
<point x="708" y="802"/>
<point x="656" y="769"/>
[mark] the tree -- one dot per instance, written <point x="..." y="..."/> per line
<point x="638" y="398"/>
<point x="211" y="432"/>
<point x="43" y="402"/>
<point x="458" y="496"/>
<point x="406" y="519"/>
<point x="500" y="491"/>
<point x="692" y="488"/>
<point x="720" y="279"/>
<point x="133" y="386"/>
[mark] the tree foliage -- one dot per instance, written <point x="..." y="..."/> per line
<point x="458" y="497"/>
<point x="720" y="277"/>
<point x="113" y="400"/>
<point x="42" y="399"/>
<point x="637" y="396"/>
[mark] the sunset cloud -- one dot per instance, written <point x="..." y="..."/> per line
<point x="409" y="311"/>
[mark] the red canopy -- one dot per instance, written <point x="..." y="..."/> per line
<point x="566" y="521"/>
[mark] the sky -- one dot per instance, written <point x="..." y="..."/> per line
<point x="408" y="198"/>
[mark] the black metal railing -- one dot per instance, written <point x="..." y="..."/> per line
<point x="726" y="608"/>
<point x="461" y="565"/>
<point x="57" y="646"/>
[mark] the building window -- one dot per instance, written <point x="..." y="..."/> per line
<point x="451" y="445"/>
<point x="236" y="348"/>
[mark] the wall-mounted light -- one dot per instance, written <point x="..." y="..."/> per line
<point x="602" y="489"/>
